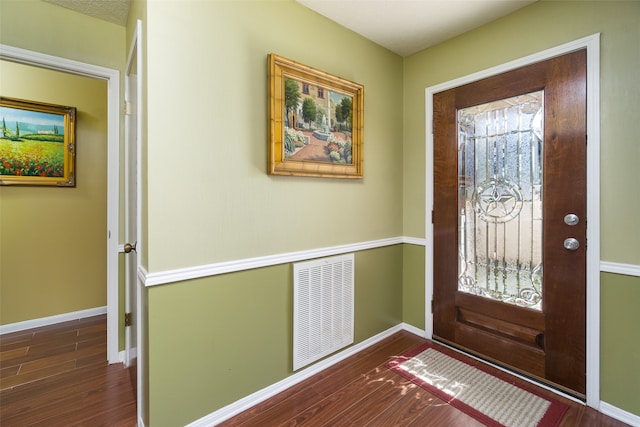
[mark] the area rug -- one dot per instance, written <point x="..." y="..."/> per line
<point x="490" y="398"/>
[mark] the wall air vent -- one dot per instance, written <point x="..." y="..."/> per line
<point x="322" y="308"/>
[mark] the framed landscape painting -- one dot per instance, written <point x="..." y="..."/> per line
<point x="315" y="122"/>
<point x="37" y="143"/>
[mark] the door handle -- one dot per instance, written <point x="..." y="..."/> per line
<point x="128" y="247"/>
<point x="571" y="244"/>
<point x="571" y="219"/>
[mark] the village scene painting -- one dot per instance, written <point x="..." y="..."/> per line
<point x="318" y="123"/>
<point x="32" y="143"/>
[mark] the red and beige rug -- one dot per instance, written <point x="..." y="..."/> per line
<point x="490" y="398"/>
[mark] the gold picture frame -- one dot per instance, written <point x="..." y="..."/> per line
<point x="37" y="143"/>
<point x="316" y="122"/>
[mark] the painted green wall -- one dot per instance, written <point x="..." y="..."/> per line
<point x="620" y="347"/>
<point x="62" y="231"/>
<point x="47" y="28"/>
<point x="210" y="198"/>
<point x="53" y="239"/>
<point x="540" y="26"/>
<point x="513" y="37"/>
<point x="218" y="339"/>
<point x="413" y="286"/>
<point x="207" y="198"/>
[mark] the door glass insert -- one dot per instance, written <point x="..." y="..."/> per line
<point x="500" y="199"/>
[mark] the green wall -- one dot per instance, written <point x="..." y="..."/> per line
<point x="222" y="338"/>
<point x="207" y="133"/>
<point x="53" y="242"/>
<point x="210" y="199"/>
<point x="413" y="286"/>
<point x="543" y="25"/>
<point x="53" y="246"/>
<point x="502" y="41"/>
<point x="207" y="198"/>
<point x="51" y="29"/>
<point x="620" y="347"/>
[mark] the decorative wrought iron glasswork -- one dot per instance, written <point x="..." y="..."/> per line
<point x="500" y="199"/>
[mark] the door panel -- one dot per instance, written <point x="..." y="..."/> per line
<point x="509" y="165"/>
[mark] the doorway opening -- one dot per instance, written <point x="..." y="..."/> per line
<point x="40" y="60"/>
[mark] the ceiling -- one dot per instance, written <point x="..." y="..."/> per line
<point x="408" y="26"/>
<point x="402" y="26"/>
<point x="114" y="11"/>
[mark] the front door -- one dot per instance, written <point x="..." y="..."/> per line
<point x="510" y="220"/>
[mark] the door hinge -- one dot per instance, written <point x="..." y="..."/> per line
<point x="433" y="221"/>
<point x="432" y="306"/>
<point x="127" y="319"/>
<point x="128" y="108"/>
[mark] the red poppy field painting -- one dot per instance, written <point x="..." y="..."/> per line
<point x="37" y="143"/>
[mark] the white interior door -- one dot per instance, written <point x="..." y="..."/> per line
<point x="131" y="209"/>
<point x="134" y="349"/>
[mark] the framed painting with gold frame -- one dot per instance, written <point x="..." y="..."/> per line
<point x="37" y="143"/>
<point x="316" y="122"/>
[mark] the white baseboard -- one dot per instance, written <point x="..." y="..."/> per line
<point x="619" y="414"/>
<point x="415" y="331"/>
<point x="51" y="320"/>
<point x="261" y="395"/>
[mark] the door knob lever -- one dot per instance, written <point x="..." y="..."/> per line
<point x="128" y="247"/>
<point x="571" y="244"/>
<point x="571" y="219"/>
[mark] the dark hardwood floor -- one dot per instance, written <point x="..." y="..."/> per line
<point x="58" y="375"/>
<point x="361" y="391"/>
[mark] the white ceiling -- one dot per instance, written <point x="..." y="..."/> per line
<point x="402" y="26"/>
<point x="408" y="26"/>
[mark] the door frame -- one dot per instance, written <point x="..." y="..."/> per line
<point x="112" y="77"/>
<point x="592" y="45"/>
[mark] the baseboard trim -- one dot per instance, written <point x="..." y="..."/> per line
<point x="51" y="320"/>
<point x="619" y="414"/>
<point x="261" y="395"/>
<point x="415" y="331"/>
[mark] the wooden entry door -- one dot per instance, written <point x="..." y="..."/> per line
<point x="510" y="220"/>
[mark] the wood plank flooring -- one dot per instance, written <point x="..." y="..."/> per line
<point x="361" y="391"/>
<point x="58" y="375"/>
